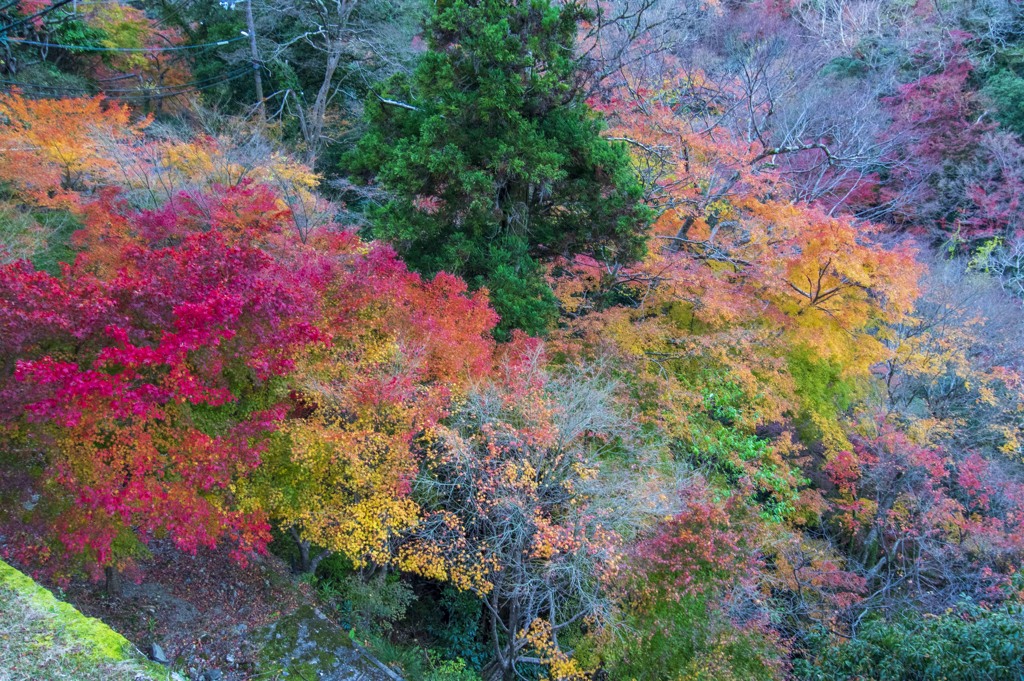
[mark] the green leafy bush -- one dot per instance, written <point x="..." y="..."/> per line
<point x="685" y="639"/>
<point x="370" y="605"/>
<point x="969" y="644"/>
<point x="1006" y="90"/>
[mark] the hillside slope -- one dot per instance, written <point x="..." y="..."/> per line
<point x="44" y="638"/>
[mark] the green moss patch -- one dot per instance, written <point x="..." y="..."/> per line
<point x="44" y="638"/>
<point x="307" y="645"/>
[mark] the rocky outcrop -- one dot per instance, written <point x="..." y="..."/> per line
<point x="307" y="645"/>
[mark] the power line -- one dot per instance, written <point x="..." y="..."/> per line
<point x="213" y="80"/>
<point x="86" y="90"/>
<point x="45" y="10"/>
<point x="138" y="94"/>
<point x="143" y="97"/>
<point x="91" y="48"/>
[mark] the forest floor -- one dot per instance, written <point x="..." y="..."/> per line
<point x="199" y="609"/>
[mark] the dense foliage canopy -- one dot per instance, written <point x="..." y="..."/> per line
<point x="638" y="339"/>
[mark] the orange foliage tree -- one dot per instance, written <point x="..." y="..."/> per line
<point x="338" y="474"/>
<point x="748" y="293"/>
<point x="53" y="149"/>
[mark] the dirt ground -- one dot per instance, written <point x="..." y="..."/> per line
<point x="200" y="610"/>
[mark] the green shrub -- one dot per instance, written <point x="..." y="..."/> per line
<point x="1006" y="90"/>
<point x="688" y="639"/>
<point x="968" y="644"/>
<point x="44" y="238"/>
<point x="450" y="670"/>
<point x="368" y="605"/>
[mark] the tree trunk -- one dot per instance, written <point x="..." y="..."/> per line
<point x="495" y="670"/>
<point x="250" y="25"/>
<point x="501" y="668"/>
<point x="113" y="581"/>
<point x="304" y="562"/>
<point x="307" y="562"/>
<point x="317" y="113"/>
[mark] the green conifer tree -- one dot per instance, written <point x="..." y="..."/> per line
<point x="493" y="162"/>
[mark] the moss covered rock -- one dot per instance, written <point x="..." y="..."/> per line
<point x="307" y="645"/>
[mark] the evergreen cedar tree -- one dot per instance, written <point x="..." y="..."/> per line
<point x="494" y="163"/>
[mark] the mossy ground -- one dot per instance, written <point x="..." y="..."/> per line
<point x="42" y="638"/>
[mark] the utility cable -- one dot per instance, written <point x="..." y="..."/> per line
<point x="96" y="48"/>
<point x="137" y="94"/>
<point x="45" y="10"/>
<point x="86" y="90"/>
